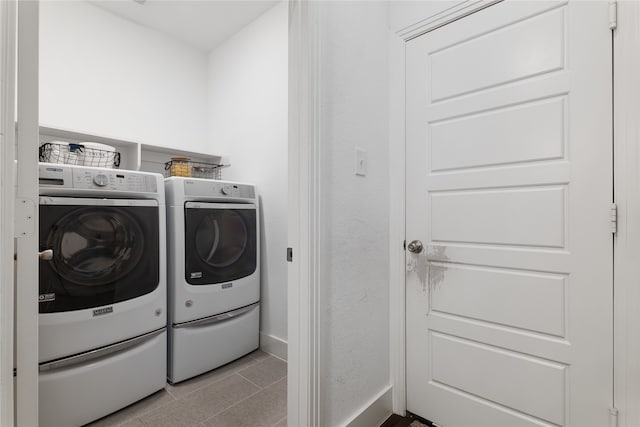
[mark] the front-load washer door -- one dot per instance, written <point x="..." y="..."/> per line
<point x="104" y="251"/>
<point x="220" y="242"/>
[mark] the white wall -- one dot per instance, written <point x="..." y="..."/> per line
<point x="354" y="318"/>
<point x="104" y="75"/>
<point x="248" y="124"/>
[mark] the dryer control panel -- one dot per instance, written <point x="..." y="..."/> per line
<point x="217" y="189"/>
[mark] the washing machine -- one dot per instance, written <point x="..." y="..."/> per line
<point x="213" y="274"/>
<point x="102" y="291"/>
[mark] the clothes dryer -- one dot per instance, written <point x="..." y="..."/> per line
<point x="102" y="300"/>
<point x="213" y="274"/>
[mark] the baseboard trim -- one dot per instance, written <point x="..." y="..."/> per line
<point x="375" y="413"/>
<point x="273" y="345"/>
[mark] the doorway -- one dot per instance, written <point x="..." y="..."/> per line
<point x="182" y="130"/>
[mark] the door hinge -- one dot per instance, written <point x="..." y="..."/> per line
<point x="613" y="14"/>
<point x="25" y="214"/>
<point x="613" y="417"/>
<point x="614" y="218"/>
<point x="289" y="254"/>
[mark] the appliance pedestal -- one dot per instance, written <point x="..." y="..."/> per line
<point x="84" y="392"/>
<point x="200" y="348"/>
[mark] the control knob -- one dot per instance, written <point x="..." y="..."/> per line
<point x="100" y="180"/>
<point x="226" y="190"/>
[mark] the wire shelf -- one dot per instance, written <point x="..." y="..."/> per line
<point x="78" y="154"/>
<point x="186" y="167"/>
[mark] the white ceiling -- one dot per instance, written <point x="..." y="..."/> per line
<point x="203" y="24"/>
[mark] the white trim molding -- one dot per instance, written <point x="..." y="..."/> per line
<point x="304" y="216"/>
<point x="375" y="412"/>
<point x="7" y="197"/>
<point x="273" y="345"/>
<point x="444" y="17"/>
<point x="397" y="223"/>
<point x="626" y="93"/>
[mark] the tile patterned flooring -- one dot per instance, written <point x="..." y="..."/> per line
<point x="250" y="392"/>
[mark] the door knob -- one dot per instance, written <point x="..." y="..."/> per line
<point x="415" y="246"/>
<point x="46" y="255"/>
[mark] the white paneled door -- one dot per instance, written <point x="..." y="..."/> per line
<point x="509" y="188"/>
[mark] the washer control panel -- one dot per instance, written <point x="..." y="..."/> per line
<point x="101" y="180"/>
<point x="115" y="181"/>
<point x="62" y="176"/>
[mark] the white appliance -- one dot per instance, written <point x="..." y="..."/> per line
<point x="102" y="301"/>
<point x="213" y="274"/>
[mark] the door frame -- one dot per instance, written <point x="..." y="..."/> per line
<point x="18" y="194"/>
<point x="26" y="215"/>
<point x="626" y="190"/>
<point x="303" y="300"/>
<point x="19" y="214"/>
<point x="7" y="154"/>
<point x="626" y="106"/>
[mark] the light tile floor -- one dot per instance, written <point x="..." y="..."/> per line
<point x="250" y="392"/>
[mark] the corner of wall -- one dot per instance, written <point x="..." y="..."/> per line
<point x="273" y="345"/>
<point x="375" y="412"/>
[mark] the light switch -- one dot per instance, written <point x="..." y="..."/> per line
<point x="361" y="162"/>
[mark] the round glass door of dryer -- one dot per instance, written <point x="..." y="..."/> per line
<point x="101" y="255"/>
<point x="220" y="243"/>
<point x="221" y="238"/>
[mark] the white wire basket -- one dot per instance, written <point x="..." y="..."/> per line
<point x="82" y="154"/>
